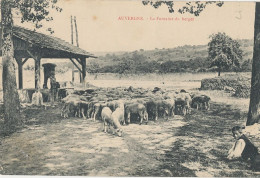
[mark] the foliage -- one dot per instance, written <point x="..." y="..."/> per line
<point x="246" y="65"/>
<point x="35" y="11"/>
<point x="93" y="67"/>
<point x="127" y="65"/>
<point x="223" y="51"/>
<point x="157" y="4"/>
<point x="195" y="7"/>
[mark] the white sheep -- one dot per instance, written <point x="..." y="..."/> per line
<point x="106" y="118"/>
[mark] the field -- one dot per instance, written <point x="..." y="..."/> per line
<point x="194" y="145"/>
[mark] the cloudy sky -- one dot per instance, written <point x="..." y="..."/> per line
<point x="101" y="31"/>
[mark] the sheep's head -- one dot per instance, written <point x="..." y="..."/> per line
<point x="119" y="132"/>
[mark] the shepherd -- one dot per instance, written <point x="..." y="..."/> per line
<point x="244" y="148"/>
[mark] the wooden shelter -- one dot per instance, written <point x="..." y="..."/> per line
<point x="31" y="44"/>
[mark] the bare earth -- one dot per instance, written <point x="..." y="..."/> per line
<point x="195" y="145"/>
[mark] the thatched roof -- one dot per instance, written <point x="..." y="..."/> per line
<point x="51" y="47"/>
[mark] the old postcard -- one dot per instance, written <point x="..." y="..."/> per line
<point x="130" y="88"/>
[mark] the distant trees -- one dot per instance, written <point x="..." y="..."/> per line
<point x="93" y="67"/>
<point x="126" y="66"/>
<point x="140" y="64"/>
<point x="223" y="51"/>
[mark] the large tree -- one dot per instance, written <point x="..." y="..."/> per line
<point x="196" y="8"/>
<point x="30" y="11"/>
<point x="254" y="106"/>
<point x="224" y="52"/>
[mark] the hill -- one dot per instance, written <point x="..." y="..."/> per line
<point x="184" y="53"/>
<point x="188" y="58"/>
<point x="184" y="58"/>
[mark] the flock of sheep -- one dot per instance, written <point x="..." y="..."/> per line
<point x="120" y="106"/>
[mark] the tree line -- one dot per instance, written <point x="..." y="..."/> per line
<point x="141" y="64"/>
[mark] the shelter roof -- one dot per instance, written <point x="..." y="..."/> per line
<point x="49" y="46"/>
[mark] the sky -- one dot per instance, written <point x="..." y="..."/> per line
<point x="100" y="30"/>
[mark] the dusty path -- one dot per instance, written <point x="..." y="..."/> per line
<point x="79" y="147"/>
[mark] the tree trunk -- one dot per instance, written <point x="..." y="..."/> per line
<point x="10" y="94"/>
<point x="254" y="109"/>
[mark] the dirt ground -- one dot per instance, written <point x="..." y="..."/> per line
<point x="194" y="145"/>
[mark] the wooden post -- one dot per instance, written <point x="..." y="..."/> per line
<point x="20" y="71"/>
<point x="83" y="63"/>
<point x="37" y="72"/>
<point x="36" y="55"/>
<point x="20" y="75"/>
<point x="76" y="30"/>
<point x="80" y="77"/>
<point x="73" y="75"/>
<point x="82" y="60"/>
<point x="71" y="22"/>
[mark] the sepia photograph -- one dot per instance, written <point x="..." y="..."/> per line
<point x="130" y="88"/>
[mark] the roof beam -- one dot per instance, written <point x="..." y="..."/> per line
<point x="25" y="60"/>
<point x="34" y="54"/>
<point x="78" y="60"/>
<point x="29" y="52"/>
<point x="75" y="65"/>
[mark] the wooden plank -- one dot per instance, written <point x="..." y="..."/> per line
<point x="75" y="65"/>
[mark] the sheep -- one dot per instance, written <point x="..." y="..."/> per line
<point x="106" y="118"/>
<point x="136" y="108"/>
